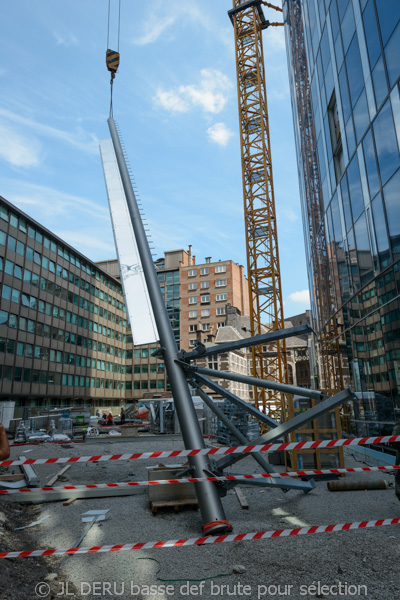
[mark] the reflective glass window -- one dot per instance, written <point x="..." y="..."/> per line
<point x="392" y="55"/>
<point x="9" y="266"/>
<point x="386" y="143"/>
<point x="346" y="203"/>
<point x="29" y="253"/>
<point x="344" y="93"/>
<point x="355" y="190"/>
<point x="354" y="70"/>
<point x="351" y="140"/>
<point x="342" y="6"/>
<point x="325" y="52"/>
<point x="391" y="196"/>
<point x="389" y="15"/>
<point x="348" y="27"/>
<point x="6" y="292"/>
<point x="361" y="116"/>
<point x="337" y="225"/>
<point x="339" y="52"/>
<point x="380" y="82"/>
<point x="2" y="238"/>
<point x="334" y="19"/>
<point x="15" y="295"/>
<point x="20" y="248"/>
<point x="361" y="235"/>
<point x="11" y="243"/>
<point x="370" y="164"/>
<point x="371" y="33"/>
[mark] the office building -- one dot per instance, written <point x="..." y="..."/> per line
<point x="64" y="336"/>
<point x="344" y="68"/>
<point x="195" y="296"/>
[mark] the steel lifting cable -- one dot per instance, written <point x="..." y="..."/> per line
<point x="112" y="58"/>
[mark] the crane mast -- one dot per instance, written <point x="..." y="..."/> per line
<point x="263" y="270"/>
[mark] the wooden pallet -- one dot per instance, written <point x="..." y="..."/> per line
<point x="177" y="505"/>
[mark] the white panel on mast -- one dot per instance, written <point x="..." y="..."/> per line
<point x="138" y="306"/>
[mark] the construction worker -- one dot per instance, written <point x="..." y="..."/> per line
<point x="122" y="416"/>
<point x="4" y="447"/>
<point x="396" y="446"/>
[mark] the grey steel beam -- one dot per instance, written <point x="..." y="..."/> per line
<point x="209" y="501"/>
<point x="257" y="340"/>
<point x="275" y="482"/>
<point x="235" y="400"/>
<point x="296" y="423"/>
<point x="293" y="484"/>
<point x="30" y="474"/>
<point x="264" y="383"/>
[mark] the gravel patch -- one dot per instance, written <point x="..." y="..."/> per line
<point x="349" y="564"/>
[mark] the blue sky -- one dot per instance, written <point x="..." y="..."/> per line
<point x="175" y="101"/>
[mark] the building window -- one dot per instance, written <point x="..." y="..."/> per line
<point x="205" y="298"/>
<point x="221" y="297"/>
<point x="221" y="310"/>
<point x="220" y="282"/>
<point x="221" y="324"/>
<point x="192" y="314"/>
<point x="205" y="285"/>
<point x="192" y="286"/>
<point x="204" y="271"/>
<point x="220" y="269"/>
<point x="205" y="326"/>
<point x="193" y="300"/>
<point x="213" y="362"/>
<point x="205" y="312"/>
<point x="192" y="328"/>
<point x="192" y="343"/>
<point x="192" y="273"/>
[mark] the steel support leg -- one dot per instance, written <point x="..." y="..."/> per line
<point x="212" y="512"/>
<point x="296" y="423"/>
<point x="275" y="482"/>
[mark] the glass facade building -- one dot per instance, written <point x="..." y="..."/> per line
<point x="344" y="68"/>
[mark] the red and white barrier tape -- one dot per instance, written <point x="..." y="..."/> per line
<point x="209" y="451"/>
<point x="91" y="486"/>
<point x="203" y="541"/>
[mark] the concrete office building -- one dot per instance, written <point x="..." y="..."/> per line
<point x="344" y="68"/>
<point x="64" y="337"/>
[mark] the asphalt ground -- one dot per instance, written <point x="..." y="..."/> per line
<point x="349" y="564"/>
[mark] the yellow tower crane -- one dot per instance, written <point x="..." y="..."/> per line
<point x="263" y="270"/>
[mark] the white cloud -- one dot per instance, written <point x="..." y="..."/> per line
<point x="287" y="214"/>
<point x="80" y="139"/>
<point x="153" y="30"/>
<point x="86" y="243"/>
<point x="50" y="203"/>
<point x="219" y="134"/>
<point x="209" y="94"/>
<point x="302" y="297"/>
<point x="65" y="40"/>
<point x="18" y="150"/>
<point x="172" y="101"/>
<point x="161" y="16"/>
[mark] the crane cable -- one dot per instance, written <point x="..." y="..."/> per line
<point x="112" y="57"/>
